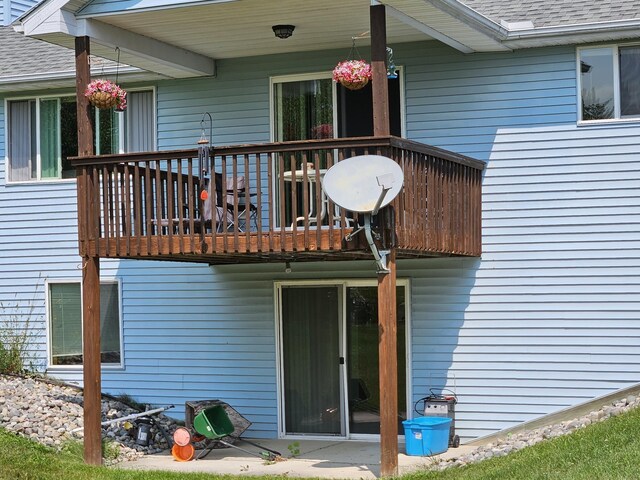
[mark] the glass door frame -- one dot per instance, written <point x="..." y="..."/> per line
<point x="342" y="285"/>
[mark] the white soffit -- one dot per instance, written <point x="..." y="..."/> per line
<point x="243" y="28"/>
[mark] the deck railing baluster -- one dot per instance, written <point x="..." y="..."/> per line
<point x="234" y="199"/>
<point x="148" y="205"/>
<point x="258" y="197"/>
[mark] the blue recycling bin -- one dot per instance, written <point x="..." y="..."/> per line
<point x="425" y="436"/>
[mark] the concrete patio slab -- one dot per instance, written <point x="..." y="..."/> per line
<point x="319" y="459"/>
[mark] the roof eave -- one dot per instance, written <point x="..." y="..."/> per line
<point x="471" y="17"/>
<point x="147" y="53"/>
<point x="66" y="79"/>
<point x="564" y="34"/>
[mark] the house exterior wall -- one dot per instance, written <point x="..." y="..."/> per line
<point x="547" y="318"/>
<point x="10" y="10"/>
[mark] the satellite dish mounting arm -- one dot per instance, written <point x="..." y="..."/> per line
<point x="380" y="256"/>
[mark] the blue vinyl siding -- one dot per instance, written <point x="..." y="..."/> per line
<point x="547" y="318"/>
<point x="10" y="10"/>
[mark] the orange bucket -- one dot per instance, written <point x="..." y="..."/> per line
<point x="183" y="453"/>
<point x="181" y="436"/>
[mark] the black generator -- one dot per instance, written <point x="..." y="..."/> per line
<point x="440" y="405"/>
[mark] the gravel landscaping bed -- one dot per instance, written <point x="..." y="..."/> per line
<point x="48" y="412"/>
<point x="521" y="440"/>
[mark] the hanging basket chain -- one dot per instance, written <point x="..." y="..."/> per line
<point x="104" y="94"/>
<point x="354" y="49"/>
<point x="117" y="63"/>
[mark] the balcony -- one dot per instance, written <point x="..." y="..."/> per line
<point x="264" y="203"/>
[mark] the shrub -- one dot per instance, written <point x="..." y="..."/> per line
<point x="15" y="341"/>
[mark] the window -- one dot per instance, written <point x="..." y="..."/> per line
<point x="303" y="110"/>
<point x="65" y="324"/>
<point x="608" y="82"/>
<point x="42" y="134"/>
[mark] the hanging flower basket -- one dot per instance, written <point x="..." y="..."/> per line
<point x="353" y="74"/>
<point x="105" y="94"/>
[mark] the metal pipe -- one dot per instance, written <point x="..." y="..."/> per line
<point x="129" y="417"/>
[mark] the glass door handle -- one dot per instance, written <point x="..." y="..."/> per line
<point x="341" y="360"/>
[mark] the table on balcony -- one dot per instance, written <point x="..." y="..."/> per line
<point x="313" y="184"/>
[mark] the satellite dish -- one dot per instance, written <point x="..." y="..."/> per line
<point x="357" y="183"/>
<point x="364" y="184"/>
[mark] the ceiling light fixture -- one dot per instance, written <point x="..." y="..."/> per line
<point x="283" y="31"/>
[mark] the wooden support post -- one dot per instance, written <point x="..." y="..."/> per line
<point x="387" y="322"/>
<point x="379" y="82"/>
<point x="387" y="349"/>
<point x="388" y="368"/>
<point x="91" y="360"/>
<point x="90" y="268"/>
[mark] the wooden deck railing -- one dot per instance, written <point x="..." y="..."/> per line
<point x="264" y="202"/>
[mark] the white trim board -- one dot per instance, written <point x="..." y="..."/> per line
<point x="137" y="50"/>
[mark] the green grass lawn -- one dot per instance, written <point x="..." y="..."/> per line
<point x="22" y="459"/>
<point x="605" y="451"/>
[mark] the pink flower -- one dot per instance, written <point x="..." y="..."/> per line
<point x="109" y="87"/>
<point x="352" y="71"/>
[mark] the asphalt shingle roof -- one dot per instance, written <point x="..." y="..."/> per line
<point x="20" y="55"/>
<point x="545" y="13"/>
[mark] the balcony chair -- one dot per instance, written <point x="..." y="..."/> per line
<point x="225" y="220"/>
<point x="232" y="188"/>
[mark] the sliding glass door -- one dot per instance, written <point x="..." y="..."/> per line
<point x="329" y="358"/>
<point x="362" y="359"/>
<point x="310" y="354"/>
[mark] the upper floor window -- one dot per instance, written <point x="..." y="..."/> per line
<point x="609" y="88"/>
<point x="42" y="134"/>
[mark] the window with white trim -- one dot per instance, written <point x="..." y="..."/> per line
<point x="42" y="134"/>
<point x="609" y="87"/>
<point x="65" y="323"/>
